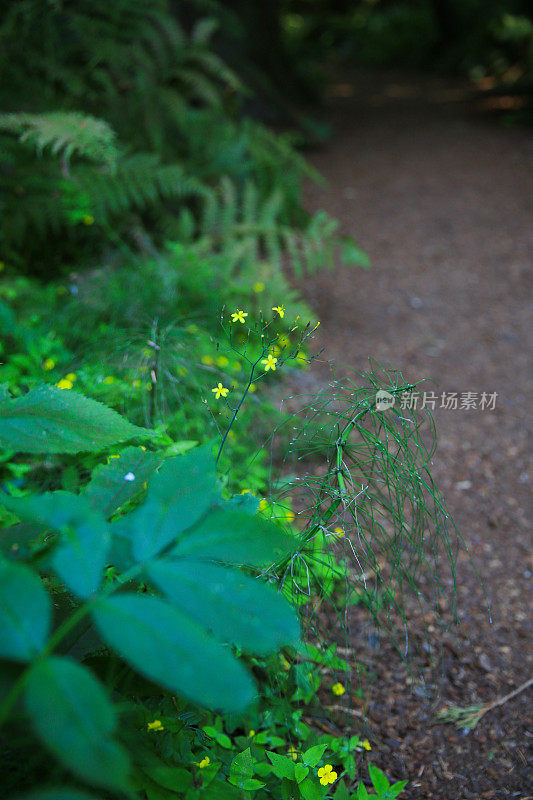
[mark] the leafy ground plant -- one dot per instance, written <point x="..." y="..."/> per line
<point x="168" y="608"/>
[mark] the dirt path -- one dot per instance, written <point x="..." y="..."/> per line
<point x="441" y="201"/>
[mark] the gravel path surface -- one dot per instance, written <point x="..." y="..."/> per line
<point x="440" y="198"/>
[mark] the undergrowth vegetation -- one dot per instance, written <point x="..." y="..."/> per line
<point x="165" y="559"/>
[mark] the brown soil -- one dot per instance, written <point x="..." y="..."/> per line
<point x="440" y="198"/>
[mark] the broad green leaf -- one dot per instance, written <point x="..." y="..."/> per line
<point x="221" y="790"/>
<point x="220" y="738"/>
<point x="73" y="717"/>
<point x="81" y="552"/>
<point x="242" y="770"/>
<point x="362" y="793"/>
<point x="51" y="420"/>
<point x="243" y="502"/>
<point x="165" y="646"/>
<point x="114" y="484"/>
<point x="379" y="780"/>
<point x="59" y="793"/>
<point x="312" y="756"/>
<point x="176" y="779"/>
<point x="300" y="772"/>
<point x="180" y="493"/>
<point x="25" y="612"/>
<point x="311" y="790"/>
<point x="235" y="537"/>
<point x="235" y="607"/>
<point x="341" y="792"/>
<point x="397" y="788"/>
<point x="282" y="766"/>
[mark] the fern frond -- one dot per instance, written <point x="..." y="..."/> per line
<point x="65" y="133"/>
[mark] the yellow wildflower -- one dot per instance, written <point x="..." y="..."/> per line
<point x="220" y="391"/>
<point x="71" y="376"/>
<point x="366" y="745"/>
<point x="263" y="504"/>
<point x="269" y="362"/>
<point x="338" y="530"/>
<point x="338" y="689"/>
<point x="251" y="734"/>
<point x="222" y="361"/>
<point x="239" y="316"/>
<point x="204" y="762"/>
<point x="246" y="491"/>
<point x="64" y="384"/>
<point x="88" y="219"/>
<point x="289" y="516"/>
<point x="156" y="725"/>
<point x="258" y="287"/>
<point x="252" y="388"/>
<point x="49" y="364"/>
<point x="327" y="775"/>
<point x="208" y="361"/>
<point x="280" y="310"/>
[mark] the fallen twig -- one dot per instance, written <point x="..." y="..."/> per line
<point x="467" y="717"/>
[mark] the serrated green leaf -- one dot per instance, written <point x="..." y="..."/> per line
<point x="165" y="646"/>
<point x="180" y="493"/>
<point x="25" y="612"/>
<point x="113" y="485"/>
<point x="235" y="607"/>
<point x="312" y="756"/>
<point x="282" y="766"/>
<point x="51" y="420"/>
<point x="235" y="537"/>
<point x="81" y="552"/>
<point x="73" y="717"/>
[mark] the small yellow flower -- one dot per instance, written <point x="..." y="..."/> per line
<point x="246" y="491"/>
<point x="292" y="752"/>
<point x="143" y="447"/>
<point x="251" y="734"/>
<point x="88" y="219"/>
<point x="156" y="725"/>
<point x="222" y="361"/>
<point x="258" y="287"/>
<point x="269" y="362"/>
<point x="239" y="316"/>
<point x="289" y="516"/>
<point x="220" y="391"/>
<point x="113" y="455"/>
<point x="280" y="310"/>
<point x="208" y="361"/>
<point x="109" y="379"/>
<point x="64" y="384"/>
<point x="338" y="530"/>
<point x="204" y="762"/>
<point x="338" y="689"/>
<point x="71" y="376"/>
<point x="366" y="745"/>
<point x="263" y="504"/>
<point x="145" y="484"/>
<point x="252" y="388"/>
<point x="49" y="364"/>
<point x="327" y="775"/>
